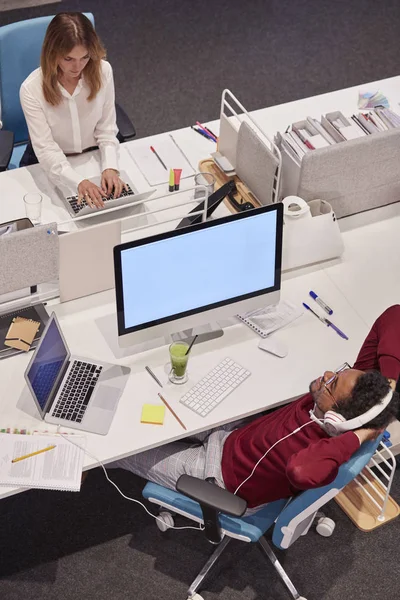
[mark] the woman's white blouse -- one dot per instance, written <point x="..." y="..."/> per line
<point x="72" y="126"/>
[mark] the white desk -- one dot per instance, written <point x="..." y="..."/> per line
<point x="313" y="348"/>
<point x="369" y="271"/>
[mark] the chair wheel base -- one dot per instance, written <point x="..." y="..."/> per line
<point x="325" y="526"/>
<point x="165" y="521"/>
<point x="198" y="597"/>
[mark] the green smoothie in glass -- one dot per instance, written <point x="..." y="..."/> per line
<point x="179" y="360"/>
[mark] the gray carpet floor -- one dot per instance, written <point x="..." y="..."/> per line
<point x="97" y="545"/>
<point x="171" y="60"/>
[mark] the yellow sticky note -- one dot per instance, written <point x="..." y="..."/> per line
<point x="153" y="414"/>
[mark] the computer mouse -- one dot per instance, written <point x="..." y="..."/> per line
<point x="273" y="346"/>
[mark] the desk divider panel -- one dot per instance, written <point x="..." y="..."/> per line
<point x="28" y="258"/>
<point x="353" y="176"/>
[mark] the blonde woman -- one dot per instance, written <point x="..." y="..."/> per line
<point x="69" y="106"/>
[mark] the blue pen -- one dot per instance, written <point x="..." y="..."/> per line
<point x="203" y="133"/>
<point x="327" y="322"/>
<point x="322" y="304"/>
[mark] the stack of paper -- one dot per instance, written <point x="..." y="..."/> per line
<point x="57" y="469"/>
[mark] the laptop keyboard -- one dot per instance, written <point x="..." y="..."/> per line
<point x="73" y="200"/>
<point x="77" y="390"/>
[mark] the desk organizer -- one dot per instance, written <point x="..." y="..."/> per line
<point x="353" y="176"/>
<point x="255" y="158"/>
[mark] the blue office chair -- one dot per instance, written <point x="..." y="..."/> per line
<point x="20" y="47"/>
<point x="222" y="514"/>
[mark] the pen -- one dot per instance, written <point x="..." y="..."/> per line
<point x="150" y="372"/>
<point x="203" y="128"/>
<point x="170" y="409"/>
<point x="159" y="158"/>
<point x="14" y="460"/>
<point x="338" y="331"/>
<point x="326" y="322"/>
<point x="203" y="133"/>
<point x="322" y="304"/>
<point x="210" y="132"/>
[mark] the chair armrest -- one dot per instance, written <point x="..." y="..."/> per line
<point x="212" y="500"/>
<point x="6" y="148"/>
<point x="126" y="129"/>
<point x="209" y="494"/>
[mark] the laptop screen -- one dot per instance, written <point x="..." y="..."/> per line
<point x="47" y="364"/>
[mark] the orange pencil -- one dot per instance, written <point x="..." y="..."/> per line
<point x="170" y="409"/>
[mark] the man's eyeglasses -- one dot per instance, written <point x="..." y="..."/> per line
<point x="336" y="372"/>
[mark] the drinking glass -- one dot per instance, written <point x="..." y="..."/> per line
<point x="206" y="179"/>
<point x="179" y="360"/>
<point x="33" y="207"/>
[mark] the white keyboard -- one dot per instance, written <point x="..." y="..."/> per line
<point x="214" y="387"/>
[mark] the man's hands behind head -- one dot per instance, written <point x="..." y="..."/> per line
<point x="367" y="435"/>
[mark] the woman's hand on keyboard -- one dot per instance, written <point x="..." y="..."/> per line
<point x="110" y="181"/>
<point x="92" y="194"/>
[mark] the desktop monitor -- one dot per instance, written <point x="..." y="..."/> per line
<point x="189" y="277"/>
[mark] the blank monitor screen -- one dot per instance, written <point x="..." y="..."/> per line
<point x="172" y="275"/>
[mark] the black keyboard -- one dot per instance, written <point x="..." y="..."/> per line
<point x="77" y="390"/>
<point x="73" y="200"/>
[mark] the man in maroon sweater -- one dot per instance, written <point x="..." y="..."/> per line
<point x="307" y="459"/>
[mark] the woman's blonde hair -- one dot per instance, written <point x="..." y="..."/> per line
<point x="64" y="32"/>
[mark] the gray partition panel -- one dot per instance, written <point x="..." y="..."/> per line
<point x="28" y="257"/>
<point x="256" y="165"/>
<point x="355" y="175"/>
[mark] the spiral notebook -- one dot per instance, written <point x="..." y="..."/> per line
<point x="265" y="321"/>
<point x="57" y="469"/>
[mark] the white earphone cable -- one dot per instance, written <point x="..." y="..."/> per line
<point x="199" y="528"/>
<point x="269" y="449"/>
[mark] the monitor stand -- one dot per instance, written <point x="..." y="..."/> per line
<point x="204" y="333"/>
<point x="108" y="327"/>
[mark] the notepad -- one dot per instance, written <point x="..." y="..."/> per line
<point x="21" y="333"/>
<point x="267" y="320"/>
<point x="58" y="469"/>
<point x="153" y="414"/>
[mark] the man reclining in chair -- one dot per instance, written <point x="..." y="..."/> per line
<point x="308" y="458"/>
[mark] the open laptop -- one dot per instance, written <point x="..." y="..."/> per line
<point x="86" y="262"/>
<point x="73" y="391"/>
<point x="70" y="198"/>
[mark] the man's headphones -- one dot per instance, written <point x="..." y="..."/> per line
<point x="335" y="424"/>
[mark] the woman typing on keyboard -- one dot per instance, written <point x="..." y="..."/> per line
<point x="69" y="107"/>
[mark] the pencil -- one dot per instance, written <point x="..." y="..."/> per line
<point x="159" y="158"/>
<point x="14" y="460"/>
<point x="170" y="409"/>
